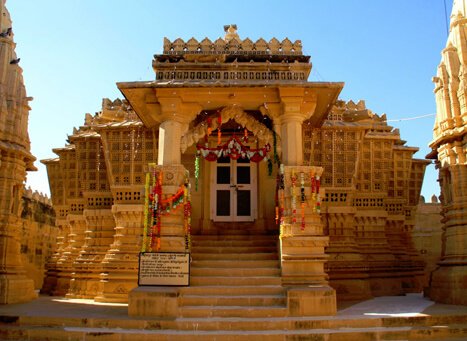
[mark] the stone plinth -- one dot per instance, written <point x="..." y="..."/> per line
<point x="374" y="246"/>
<point x="347" y="268"/>
<point x="76" y="225"/>
<point x="120" y="264"/>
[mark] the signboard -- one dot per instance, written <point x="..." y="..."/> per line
<point x="164" y="268"/>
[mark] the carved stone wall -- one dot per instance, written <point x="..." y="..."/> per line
<point x="372" y="186"/>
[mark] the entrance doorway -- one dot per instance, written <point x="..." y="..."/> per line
<point x="233" y="190"/>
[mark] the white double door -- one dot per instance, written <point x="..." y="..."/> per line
<point x="233" y="190"/>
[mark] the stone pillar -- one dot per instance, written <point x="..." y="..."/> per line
<point x="100" y="225"/>
<point x="15" y="287"/>
<point x="163" y="301"/>
<point x="302" y="250"/>
<point x="120" y="264"/>
<point x="169" y="143"/>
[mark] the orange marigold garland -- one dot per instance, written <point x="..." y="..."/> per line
<point x="156" y="206"/>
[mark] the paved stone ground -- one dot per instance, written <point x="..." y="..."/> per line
<point x="387" y="306"/>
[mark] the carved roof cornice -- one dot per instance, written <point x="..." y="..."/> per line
<point x="234" y="46"/>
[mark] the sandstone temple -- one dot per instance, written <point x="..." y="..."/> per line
<point x="285" y="198"/>
<point x="296" y="197"/>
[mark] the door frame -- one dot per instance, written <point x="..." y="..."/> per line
<point x="233" y="217"/>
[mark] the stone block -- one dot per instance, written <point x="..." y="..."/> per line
<point x="311" y="301"/>
<point x="159" y="302"/>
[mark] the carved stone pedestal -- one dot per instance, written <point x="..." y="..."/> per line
<point x="86" y="282"/>
<point x="163" y="301"/>
<point x="302" y="251"/>
<point x="15" y="287"/>
<point x="120" y="264"/>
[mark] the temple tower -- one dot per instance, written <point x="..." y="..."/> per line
<point x="449" y="282"/>
<point x="15" y="160"/>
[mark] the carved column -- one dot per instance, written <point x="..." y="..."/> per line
<point x="14" y="285"/>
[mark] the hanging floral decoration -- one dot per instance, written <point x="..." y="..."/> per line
<point x="285" y="215"/>
<point x="302" y="199"/>
<point x="293" y="178"/>
<point x="196" y="171"/>
<point x="234" y="149"/>
<point x="280" y="196"/>
<point x="156" y="205"/>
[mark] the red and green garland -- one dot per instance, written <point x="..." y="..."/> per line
<point x="156" y="205"/>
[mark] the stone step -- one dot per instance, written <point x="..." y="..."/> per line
<point x="452" y="333"/>
<point x="234" y="243"/>
<point x="29" y="319"/>
<point x="248" y="300"/>
<point x="229" y="290"/>
<point x="234" y="272"/>
<point x="233" y="249"/>
<point x="233" y="311"/>
<point x="231" y="264"/>
<point x="235" y="256"/>
<point x="233" y="237"/>
<point x="235" y="281"/>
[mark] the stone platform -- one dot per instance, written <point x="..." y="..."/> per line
<point x="410" y="317"/>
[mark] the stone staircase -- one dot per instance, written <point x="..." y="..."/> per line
<point x="234" y="275"/>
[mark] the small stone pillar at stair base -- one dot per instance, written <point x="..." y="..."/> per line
<point x="76" y="224"/>
<point x="162" y="301"/>
<point x="302" y="250"/>
<point x="86" y="281"/>
<point x="120" y="265"/>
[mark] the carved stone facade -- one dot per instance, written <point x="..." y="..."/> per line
<point x="449" y="282"/>
<point x="372" y="186"/>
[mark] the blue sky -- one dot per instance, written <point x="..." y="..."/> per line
<point x="74" y="51"/>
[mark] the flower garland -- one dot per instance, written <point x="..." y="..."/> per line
<point x="302" y="199"/>
<point x="293" y="178"/>
<point x="233" y="149"/>
<point x="155" y="206"/>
